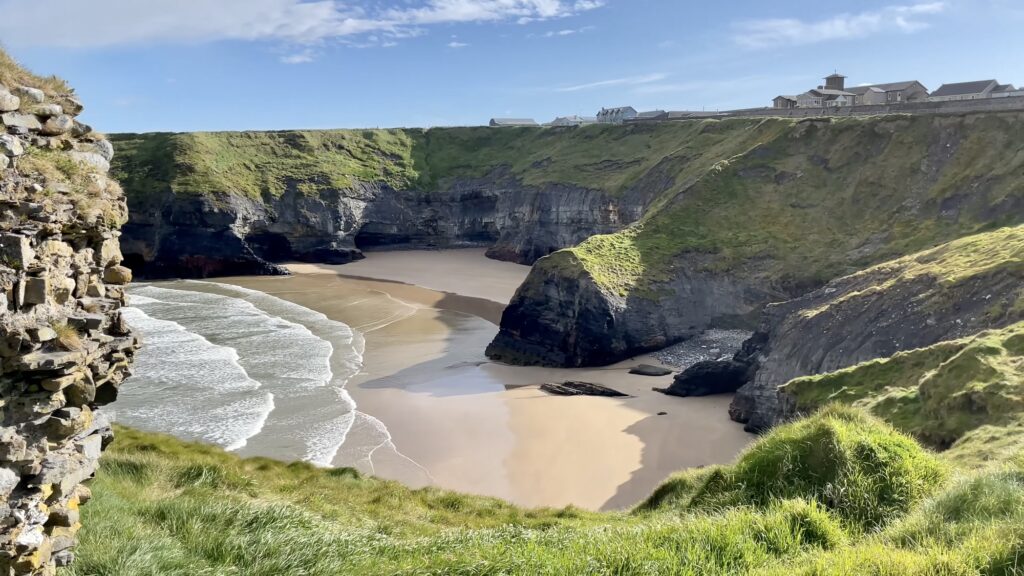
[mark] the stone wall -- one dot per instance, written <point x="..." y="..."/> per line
<point x="1007" y="104"/>
<point x="64" y="346"/>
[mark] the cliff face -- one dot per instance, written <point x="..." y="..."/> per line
<point x="64" y="347"/>
<point x="764" y="213"/>
<point x="953" y="291"/>
<point x="234" y="203"/>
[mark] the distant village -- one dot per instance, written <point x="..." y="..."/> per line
<point x="833" y="96"/>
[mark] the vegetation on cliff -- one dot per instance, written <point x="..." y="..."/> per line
<point x="965" y="395"/>
<point x="162" y="506"/>
<point x="797" y="203"/>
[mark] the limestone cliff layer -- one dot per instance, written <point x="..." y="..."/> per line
<point x="64" y="346"/>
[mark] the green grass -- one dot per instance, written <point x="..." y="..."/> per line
<point x="966" y="395"/>
<point x="162" y="506"/>
<point x="13" y="74"/>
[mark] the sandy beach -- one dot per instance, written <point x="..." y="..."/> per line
<point x="457" y="421"/>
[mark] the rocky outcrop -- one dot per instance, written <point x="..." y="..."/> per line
<point x="64" y="346"/>
<point x="950" y="292"/>
<point x="561" y="316"/>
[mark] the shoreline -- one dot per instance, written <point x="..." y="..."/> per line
<point x="456" y="420"/>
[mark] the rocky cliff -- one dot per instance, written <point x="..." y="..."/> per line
<point x="763" y="212"/>
<point x="64" y="347"/>
<point x="950" y="292"/>
<point x="235" y="203"/>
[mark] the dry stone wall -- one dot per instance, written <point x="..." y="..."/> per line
<point x="64" y="346"/>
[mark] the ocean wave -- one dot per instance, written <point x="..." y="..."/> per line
<point x="298" y="359"/>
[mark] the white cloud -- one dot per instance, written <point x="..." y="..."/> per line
<point x="791" y="31"/>
<point x="628" y="81"/>
<point x="456" y="44"/>
<point x="567" y="32"/>
<point x="303" y="57"/>
<point x="96" y="23"/>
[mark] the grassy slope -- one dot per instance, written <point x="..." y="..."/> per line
<point x="965" y="394"/>
<point x="166" y="507"/>
<point x="820" y="200"/>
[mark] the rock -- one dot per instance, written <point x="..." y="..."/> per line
<point x="580" y="389"/>
<point x="16" y="251"/>
<point x="18" y="120"/>
<point x="11" y="146"/>
<point x="41" y="334"/>
<point x="47" y="110"/>
<point x="59" y="383"/>
<point x="91" y="159"/>
<point x="649" y="370"/>
<point x="4" y="162"/>
<point x="80" y="129"/>
<point x="36" y="290"/>
<point x="8" y="482"/>
<point x="28" y="94"/>
<point x="708" y="378"/>
<point x="104" y="148"/>
<point x="57" y="125"/>
<point x="39" y="361"/>
<point x="8" y="102"/>
<point x="117" y="275"/>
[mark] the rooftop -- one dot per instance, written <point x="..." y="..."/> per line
<point x="961" y="88"/>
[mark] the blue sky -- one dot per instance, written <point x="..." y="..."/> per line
<point x="146" y="65"/>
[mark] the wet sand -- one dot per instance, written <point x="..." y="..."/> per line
<point x="458" y="421"/>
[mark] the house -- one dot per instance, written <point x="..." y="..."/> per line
<point x="1007" y="91"/>
<point x="784" y="102"/>
<point x="573" y="121"/>
<point x="832" y="95"/>
<point x="511" y="122"/>
<point x="890" y="93"/>
<point x="616" y="115"/>
<point x="825" y="98"/>
<point x="964" y="91"/>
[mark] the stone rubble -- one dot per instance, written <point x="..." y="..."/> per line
<point x="64" y="347"/>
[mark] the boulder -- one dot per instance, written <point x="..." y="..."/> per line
<point x="36" y="290"/>
<point x="58" y="125"/>
<point x="80" y="129"/>
<point x="72" y="105"/>
<point x="41" y="334"/>
<point x="47" y="110"/>
<point x="17" y="120"/>
<point x="11" y="146"/>
<point x="92" y="159"/>
<point x="4" y="162"/>
<point x="29" y="94"/>
<point x="8" y="102"/>
<point x="649" y="370"/>
<point x="708" y="378"/>
<point x="104" y="148"/>
<point x="117" y="275"/>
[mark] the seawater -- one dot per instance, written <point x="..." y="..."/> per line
<point x="244" y="370"/>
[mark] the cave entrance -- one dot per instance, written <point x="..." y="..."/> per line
<point x="269" y="246"/>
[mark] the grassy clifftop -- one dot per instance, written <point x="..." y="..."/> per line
<point x="262" y="164"/>
<point x="165" y="507"/>
<point x="797" y="203"/>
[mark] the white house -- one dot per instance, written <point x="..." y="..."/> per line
<point x="616" y="115"/>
